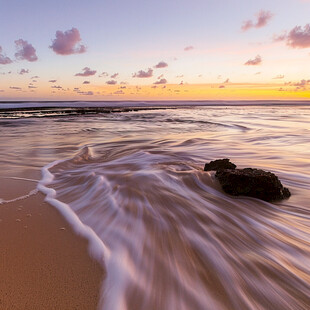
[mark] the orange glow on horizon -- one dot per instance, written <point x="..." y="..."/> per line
<point x="229" y="91"/>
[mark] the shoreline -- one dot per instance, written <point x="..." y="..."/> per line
<point x="44" y="264"/>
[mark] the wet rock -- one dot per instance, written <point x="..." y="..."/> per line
<point x="252" y="182"/>
<point x="219" y="164"/>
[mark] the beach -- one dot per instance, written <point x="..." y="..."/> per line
<point x="44" y="264"/>
<point x="113" y="211"/>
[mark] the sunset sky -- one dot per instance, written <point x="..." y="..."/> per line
<point x="140" y="50"/>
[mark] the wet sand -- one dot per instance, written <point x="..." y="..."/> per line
<point x="43" y="263"/>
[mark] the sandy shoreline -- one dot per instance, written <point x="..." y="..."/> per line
<point x="43" y="263"/>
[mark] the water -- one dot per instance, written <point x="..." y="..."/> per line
<point x="168" y="237"/>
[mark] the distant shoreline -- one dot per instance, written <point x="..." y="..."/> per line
<point x="38" y="109"/>
<point x="9" y="105"/>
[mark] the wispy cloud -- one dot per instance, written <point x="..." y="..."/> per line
<point x="67" y="43"/>
<point x="52" y="81"/>
<point x="262" y="19"/>
<point x="114" y="76"/>
<point x="278" y="77"/>
<point x="25" y="51"/>
<point x="161" y="64"/>
<point x="87" y="72"/>
<point x="15" y="88"/>
<point x="86" y="82"/>
<point x="254" y="62"/>
<point x="143" y="74"/>
<point x="188" y="48"/>
<point x="4" y="60"/>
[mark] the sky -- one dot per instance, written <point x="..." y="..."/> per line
<point x="154" y="50"/>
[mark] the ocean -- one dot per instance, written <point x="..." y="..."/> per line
<point x="169" y="238"/>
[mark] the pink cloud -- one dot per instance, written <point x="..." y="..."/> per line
<point x="87" y="72"/>
<point x="161" y="64"/>
<point x="254" y="62"/>
<point x="3" y="59"/>
<point x="52" y="81"/>
<point x="262" y="19"/>
<point x="114" y="76"/>
<point x="279" y="38"/>
<point x="23" y="71"/>
<point x="221" y="86"/>
<point x="25" y="51"/>
<point x="67" y="43"/>
<point x="188" y="48"/>
<point x="298" y="37"/>
<point x="86" y="82"/>
<point x="143" y="74"/>
<point x="111" y="82"/>
<point x="161" y="81"/>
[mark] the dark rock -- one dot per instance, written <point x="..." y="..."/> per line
<point x="219" y="164"/>
<point x="252" y="182"/>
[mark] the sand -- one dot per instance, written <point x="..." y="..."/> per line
<point x="43" y="263"/>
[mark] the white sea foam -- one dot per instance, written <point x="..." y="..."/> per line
<point x="31" y="193"/>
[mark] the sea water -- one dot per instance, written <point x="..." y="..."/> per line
<point x="168" y="237"/>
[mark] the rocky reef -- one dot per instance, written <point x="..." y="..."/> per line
<point x="250" y="182"/>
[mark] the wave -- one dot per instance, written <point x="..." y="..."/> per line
<point x="169" y="238"/>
